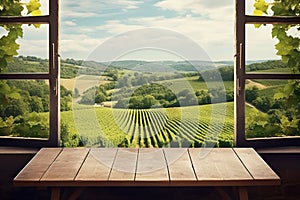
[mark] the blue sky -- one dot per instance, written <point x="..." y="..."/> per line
<point x="87" y="24"/>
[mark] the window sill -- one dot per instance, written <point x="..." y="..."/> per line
<point x="17" y="150"/>
<point x="275" y="150"/>
<point x="279" y="150"/>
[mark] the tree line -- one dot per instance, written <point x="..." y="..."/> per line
<point x="22" y="106"/>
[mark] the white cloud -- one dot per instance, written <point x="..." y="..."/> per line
<point x="78" y="46"/>
<point x="209" y="23"/>
<point x="80" y="14"/>
<point x="34" y="41"/>
<point x="37" y="48"/>
<point x="215" y="33"/>
<point x="128" y="4"/>
<point x="93" y="8"/>
<point x="115" y="27"/>
<point x="70" y="23"/>
<point x="162" y="41"/>
<point x="213" y="36"/>
<point x="214" y="9"/>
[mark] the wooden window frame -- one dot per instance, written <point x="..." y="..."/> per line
<point x="52" y="76"/>
<point x="241" y="19"/>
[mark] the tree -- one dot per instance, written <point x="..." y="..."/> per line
<point x="88" y="97"/>
<point x="68" y="138"/>
<point x="136" y="102"/>
<point x="263" y="103"/>
<point x="251" y="94"/>
<point x="100" y="97"/>
<point x="149" y="101"/>
<point x="36" y="104"/>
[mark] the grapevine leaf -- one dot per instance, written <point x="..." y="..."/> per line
<point x="291" y="63"/>
<point x="33" y="6"/>
<point x="258" y="12"/>
<point x="283" y="49"/>
<point x="257" y="25"/>
<point x="37" y="25"/>
<point x="36" y="12"/>
<point x="275" y="31"/>
<point x="285" y="59"/>
<point x="19" y="31"/>
<point x="261" y="7"/>
<point x="281" y="34"/>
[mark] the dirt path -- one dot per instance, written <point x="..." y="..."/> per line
<point x="253" y="83"/>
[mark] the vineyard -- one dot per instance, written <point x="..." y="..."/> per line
<point x="194" y="126"/>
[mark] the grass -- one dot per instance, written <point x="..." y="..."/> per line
<point x="197" y="85"/>
<point x="270" y="91"/>
<point x="276" y="70"/>
<point x="272" y="83"/>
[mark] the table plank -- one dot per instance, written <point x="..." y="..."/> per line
<point x="256" y="165"/>
<point x="179" y="164"/>
<point x="124" y="166"/>
<point x="151" y="165"/>
<point x="66" y="165"/>
<point x="36" y="168"/>
<point x="97" y="165"/>
<point x="218" y="165"/>
<point x="82" y="167"/>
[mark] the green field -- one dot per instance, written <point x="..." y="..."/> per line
<point x="198" y="85"/>
<point x="84" y="82"/>
<point x="193" y="126"/>
<point x="278" y="70"/>
<point x="272" y="83"/>
<point x="270" y="87"/>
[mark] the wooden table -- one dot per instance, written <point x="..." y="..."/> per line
<point x="83" y="167"/>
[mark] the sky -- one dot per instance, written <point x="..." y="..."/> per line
<point x="86" y="25"/>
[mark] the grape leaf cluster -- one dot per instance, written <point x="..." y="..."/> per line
<point x="8" y="42"/>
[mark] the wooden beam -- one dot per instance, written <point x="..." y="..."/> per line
<point x="25" y="19"/>
<point x="272" y="76"/>
<point x="272" y="19"/>
<point x="36" y="76"/>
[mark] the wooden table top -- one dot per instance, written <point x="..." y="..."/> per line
<point x="55" y="167"/>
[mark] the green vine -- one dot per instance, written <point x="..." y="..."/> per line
<point x="8" y="42"/>
<point x="287" y="120"/>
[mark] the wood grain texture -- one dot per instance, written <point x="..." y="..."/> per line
<point x="256" y="166"/>
<point x="179" y="165"/>
<point x="40" y="163"/>
<point x="151" y="165"/>
<point x="218" y="165"/>
<point x="66" y="165"/>
<point x="82" y="167"/>
<point x="124" y="166"/>
<point x="97" y="165"/>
